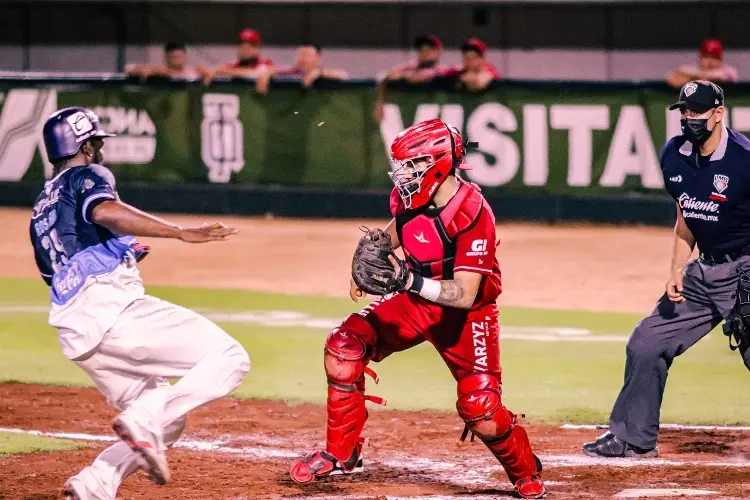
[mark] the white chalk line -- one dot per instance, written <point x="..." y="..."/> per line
<point x="673" y="427"/>
<point x="468" y="472"/>
<point x="189" y="444"/>
<point x="663" y="492"/>
<point x="289" y="319"/>
<point x="435" y="470"/>
<point x="389" y="497"/>
<point x="23" y="309"/>
<point x="478" y="471"/>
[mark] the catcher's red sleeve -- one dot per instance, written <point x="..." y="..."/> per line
<point x="475" y="248"/>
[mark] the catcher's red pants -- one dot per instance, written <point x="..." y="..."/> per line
<point x="468" y="342"/>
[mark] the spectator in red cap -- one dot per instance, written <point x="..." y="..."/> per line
<point x="425" y="67"/>
<point x="308" y="68"/>
<point x="249" y="63"/>
<point x="710" y="67"/>
<point x="476" y="73"/>
<point x="422" y="70"/>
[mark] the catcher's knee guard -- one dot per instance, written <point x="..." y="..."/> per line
<point x="480" y="406"/>
<point x="345" y="362"/>
<point x="345" y="351"/>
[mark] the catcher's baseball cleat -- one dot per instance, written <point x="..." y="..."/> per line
<point x="610" y="446"/>
<point x="531" y="487"/>
<point x="139" y="439"/>
<point x="319" y="464"/>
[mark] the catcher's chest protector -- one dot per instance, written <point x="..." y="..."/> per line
<point x="428" y="236"/>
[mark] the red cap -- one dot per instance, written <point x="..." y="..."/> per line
<point x="436" y="41"/>
<point x="712" y="48"/>
<point x="250" y="36"/>
<point x="474" y="44"/>
<point x="428" y="40"/>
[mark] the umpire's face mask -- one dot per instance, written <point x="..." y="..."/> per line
<point x="696" y="130"/>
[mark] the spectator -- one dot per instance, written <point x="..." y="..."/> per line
<point x="476" y="73"/>
<point x="307" y="68"/>
<point x="175" y="65"/>
<point x="426" y="67"/>
<point x="249" y="63"/>
<point x="710" y="67"/>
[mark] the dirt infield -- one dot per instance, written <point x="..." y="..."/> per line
<point x="565" y="267"/>
<point x="242" y="450"/>
<point x="249" y="446"/>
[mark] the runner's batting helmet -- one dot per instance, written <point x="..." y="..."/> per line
<point x="68" y="129"/>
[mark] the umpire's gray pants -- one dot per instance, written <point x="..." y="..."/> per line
<point x="668" y="332"/>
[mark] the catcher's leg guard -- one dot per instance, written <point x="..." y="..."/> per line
<point x="480" y="406"/>
<point x="345" y="360"/>
<point x="346" y="354"/>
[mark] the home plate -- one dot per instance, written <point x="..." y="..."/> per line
<point x="663" y="492"/>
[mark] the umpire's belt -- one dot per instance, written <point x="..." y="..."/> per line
<point x="713" y="258"/>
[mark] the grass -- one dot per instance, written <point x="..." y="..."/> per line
<point x="548" y="381"/>
<point x="12" y="444"/>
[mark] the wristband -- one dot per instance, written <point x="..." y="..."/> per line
<point x="425" y="287"/>
<point x="417" y="282"/>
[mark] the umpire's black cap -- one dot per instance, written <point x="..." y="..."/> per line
<point x="700" y="96"/>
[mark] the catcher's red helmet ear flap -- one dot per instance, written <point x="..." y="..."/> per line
<point x="459" y="148"/>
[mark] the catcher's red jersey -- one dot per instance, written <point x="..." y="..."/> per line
<point x="459" y="236"/>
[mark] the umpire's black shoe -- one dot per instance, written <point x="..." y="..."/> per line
<point x="610" y="446"/>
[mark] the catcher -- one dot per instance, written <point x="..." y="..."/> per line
<point x="444" y="292"/>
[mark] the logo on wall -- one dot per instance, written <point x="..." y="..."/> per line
<point x="222" y="148"/>
<point x="24" y="112"/>
<point x="135" y="135"/>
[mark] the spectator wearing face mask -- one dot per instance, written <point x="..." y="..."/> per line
<point x="308" y="68"/>
<point x="175" y="65"/>
<point x="711" y="67"/>
<point x="249" y="63"/>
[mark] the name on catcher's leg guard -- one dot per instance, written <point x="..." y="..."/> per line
<point x="480" y="332"/>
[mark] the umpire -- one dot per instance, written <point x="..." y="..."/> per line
<point x="707" y="171"/>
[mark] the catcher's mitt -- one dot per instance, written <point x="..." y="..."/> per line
<point x="372" y="271"/>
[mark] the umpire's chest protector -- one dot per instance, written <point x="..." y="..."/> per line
<point x="428" y="235"/>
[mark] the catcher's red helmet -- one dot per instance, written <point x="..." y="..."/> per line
<point x="422" y="157"/>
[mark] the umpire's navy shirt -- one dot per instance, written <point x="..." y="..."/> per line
<point x="713" y="192"/>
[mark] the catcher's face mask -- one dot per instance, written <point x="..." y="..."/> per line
<point x="408" y="176"/>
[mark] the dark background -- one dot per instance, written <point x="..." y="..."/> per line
<point x="658" y="25"/>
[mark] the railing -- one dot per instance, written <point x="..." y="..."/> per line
<point x="537" y="140"/>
